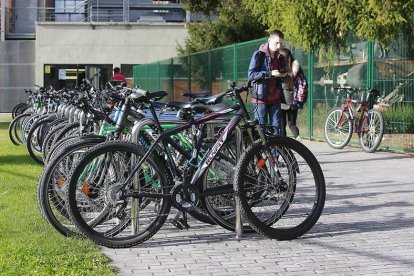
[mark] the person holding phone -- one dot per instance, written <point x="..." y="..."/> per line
<point x="268" y="65"/>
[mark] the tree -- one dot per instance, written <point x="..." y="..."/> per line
<point x="226" y="22"/>
<point x="326" y="24"/>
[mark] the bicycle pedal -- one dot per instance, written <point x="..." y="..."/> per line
<point x="176" y="224"/>
<point x="184" y="223"/>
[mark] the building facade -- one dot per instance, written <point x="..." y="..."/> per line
<point x="60" y="42"/>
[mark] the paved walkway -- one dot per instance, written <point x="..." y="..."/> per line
<point x="367" y="228"/>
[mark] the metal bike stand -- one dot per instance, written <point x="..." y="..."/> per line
<point x="210" y="133"/>
<point x="239" y="222"/>
<point x="136" y="184"/>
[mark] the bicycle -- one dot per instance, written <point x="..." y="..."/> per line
<point x="342" y="122"/>
<point x="53" y="180"/>
<point x="120" y="194"/>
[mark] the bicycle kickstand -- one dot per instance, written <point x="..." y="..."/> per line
<point x="180" y="223"/>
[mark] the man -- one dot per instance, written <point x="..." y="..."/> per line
<point x="267" y="62"/>
<point x="118" y="76"/>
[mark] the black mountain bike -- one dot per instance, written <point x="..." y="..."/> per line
<point x="120" y="194"/>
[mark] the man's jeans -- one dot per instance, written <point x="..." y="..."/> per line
<point x="264" y="112"/>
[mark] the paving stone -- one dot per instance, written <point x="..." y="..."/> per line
<point x="366" y="228"/>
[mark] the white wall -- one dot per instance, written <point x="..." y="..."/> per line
<point x="105" y="43"/>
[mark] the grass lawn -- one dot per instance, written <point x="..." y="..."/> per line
<point x="28" y="244"/>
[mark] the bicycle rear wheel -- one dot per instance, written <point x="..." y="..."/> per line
<point x="338" y="128"/>
<point x="372" y="130"/>
<point x="280" y="188"/>
<point x="53" y="184"/>
<point x="98" y="202"/>
<point x="15" y="129"/>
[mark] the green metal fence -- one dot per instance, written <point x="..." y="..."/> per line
<point x="363" y="64"/>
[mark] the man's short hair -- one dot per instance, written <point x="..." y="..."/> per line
<point x="117" y="70"/>
<point x="277" y="33"/>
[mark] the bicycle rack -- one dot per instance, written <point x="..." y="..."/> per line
<point x="239" y="142"/>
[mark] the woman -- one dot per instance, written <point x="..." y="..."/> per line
<point x="295" y="90"/>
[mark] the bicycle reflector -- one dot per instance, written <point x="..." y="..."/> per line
<point x="260" y="163"/>
<point x="86" y="188"/>
<point x="61" y="183"/>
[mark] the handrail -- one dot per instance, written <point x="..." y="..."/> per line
<point x="89" y="11"/>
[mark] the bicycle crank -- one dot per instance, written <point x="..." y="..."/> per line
<point x="185" y="201"/>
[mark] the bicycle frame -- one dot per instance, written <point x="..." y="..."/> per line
<point x="347" y="106"/>
<point x="165" y="139"/>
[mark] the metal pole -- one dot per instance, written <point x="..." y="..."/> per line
<point x="235" y="63"/>
<point x="310" y="94"/>
<point x="126" y="11"/>
<point x="239" y="222"/>
<point x="3" y="20"/>
<point x="370" y="64"/>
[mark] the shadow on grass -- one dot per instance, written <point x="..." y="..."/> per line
<point x="4" y="125"/>
<point x="23" y="159"/>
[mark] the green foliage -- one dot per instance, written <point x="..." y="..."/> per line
<point x="231" y="23"/>
<point x="28" y="244"/>
<point x="400" y="119"/>
<point x="326" y="24"/>
<point x="201" y="6"/>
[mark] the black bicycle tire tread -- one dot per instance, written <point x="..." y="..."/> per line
<point x="98" y="239"/>
<point x="42" y="189"/>
<point x="49" y="140"/>
<point x="12" y="127"/>
<point x="318" y="173"/>
<point x="36" y="126"/>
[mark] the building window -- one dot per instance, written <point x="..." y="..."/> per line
<point x="69" y="6"/>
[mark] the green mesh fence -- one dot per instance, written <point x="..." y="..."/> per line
<point x="364" y="64"/>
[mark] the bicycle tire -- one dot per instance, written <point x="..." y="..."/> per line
<point x="153" y="175"/>
<point x="221" y="207"/>
<point x="19" y="109"/>
<point x="71" y="129"/>
<point x="57" y="147"/>
<point x="34" y="138"/>
<point x="52" y="185"/>
<point x="338" y="134"/>
<point x="49" y="139"/>
<point x="27" y="124"/>
<point x="371" y="131"/>
<point x="289" y="204"/>
<point x="16" y="124"/>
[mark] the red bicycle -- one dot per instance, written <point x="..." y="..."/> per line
<point x="342" y="122"/>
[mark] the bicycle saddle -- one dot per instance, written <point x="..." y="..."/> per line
<point x="195" y="95"/>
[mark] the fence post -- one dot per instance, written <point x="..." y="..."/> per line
<point x="310" y="94"/>
<point x="189" y="73"/>
<point x="235" y="63"/>
<point x="158" y="76"/>
<point x="209" y="82"/>
<point x="172" y="79"/>
<point x="370" y="64"/>
<point x="146" y="76"/>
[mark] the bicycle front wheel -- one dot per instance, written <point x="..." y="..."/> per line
<point x="338" y="128"/>
<point x="280" y="188"/>
<point x="218" y="193"/>
<point x="372" y="130"/>
<point x="107" y="211"/>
